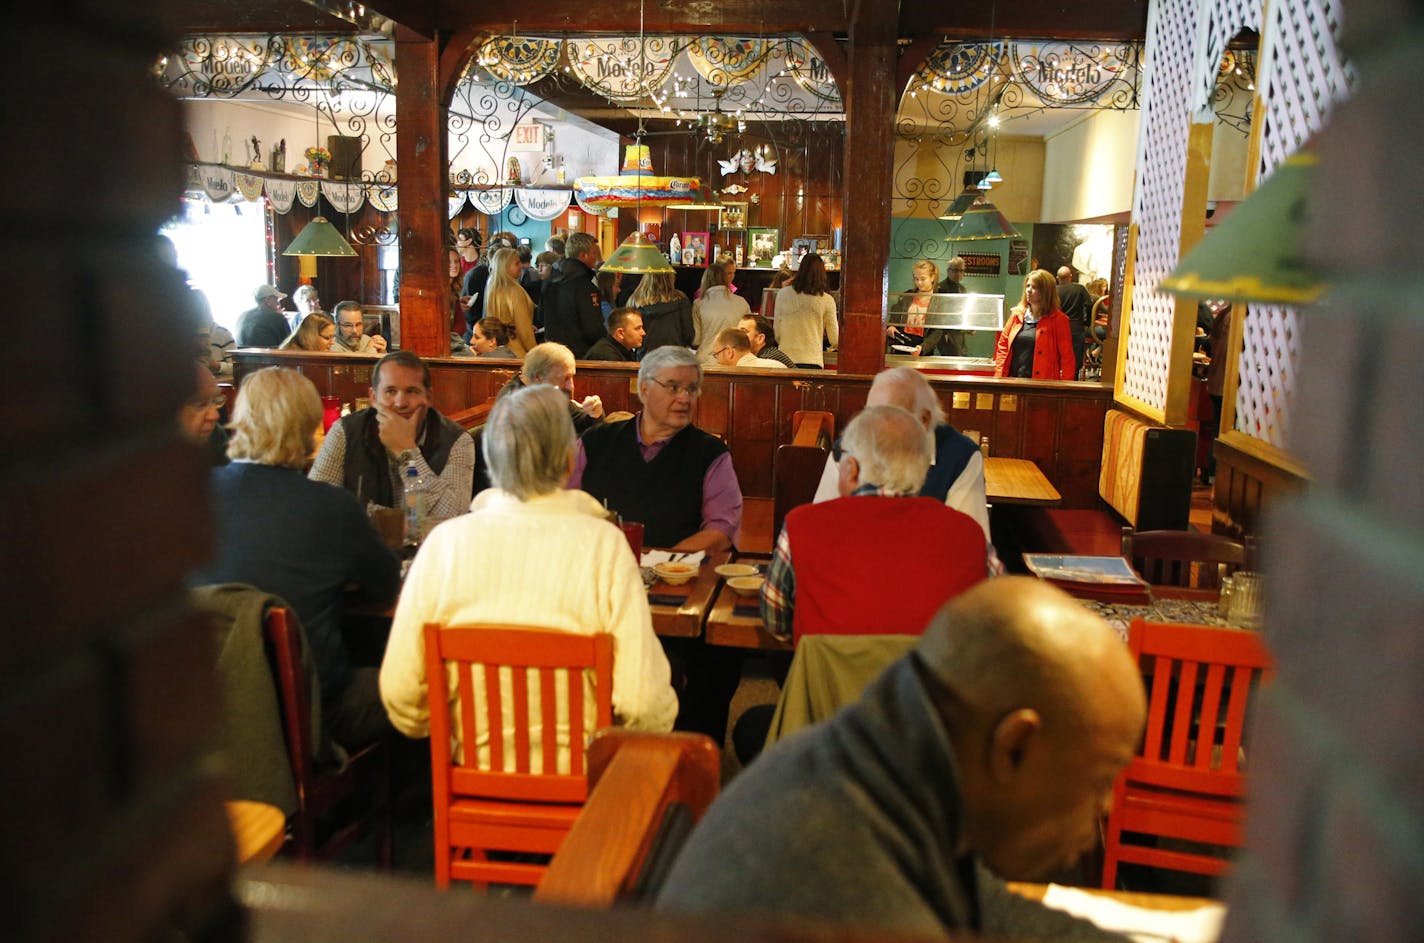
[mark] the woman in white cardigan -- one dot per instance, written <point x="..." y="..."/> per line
<point x="716" y="308"/>
<point x="529" y="553"/>
<point x="805" y="313"/>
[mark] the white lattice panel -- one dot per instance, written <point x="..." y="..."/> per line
<point x="1157" y="205"/>
<point x="1303" y="74"/>
<point x="1222" y="21"/>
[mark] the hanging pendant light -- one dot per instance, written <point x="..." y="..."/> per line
<point x="1257" y="252"/>
<point x="637" y="255"/>
<point x="982" y="221"/>
<point x="320" y="238"/>
<point x="970" y="195"/>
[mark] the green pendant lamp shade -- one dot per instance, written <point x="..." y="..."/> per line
<point x="962" y="202"/>
<point x="637" y="256"/>
<point x="320" y="238"/>
<point x="982" y="221"/>
<point x="1256" y="253"/>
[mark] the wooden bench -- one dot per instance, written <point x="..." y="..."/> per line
<point x="800" y="464"/>
<point x="474" y="417"/>
<point x="647" y="791"/>
<point x="1145" y="481"/>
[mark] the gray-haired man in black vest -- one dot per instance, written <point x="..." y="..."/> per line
<point x="367" y="452"/>
<point x="677" y="481"/>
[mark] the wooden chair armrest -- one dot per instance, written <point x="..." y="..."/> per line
<point x="634" y="777"/>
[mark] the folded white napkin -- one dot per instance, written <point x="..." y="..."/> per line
<point x="1201" y="925"/>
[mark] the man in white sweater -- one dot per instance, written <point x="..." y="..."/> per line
<point x="529" y="553"/>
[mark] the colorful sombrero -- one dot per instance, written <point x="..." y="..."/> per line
<point x="636" y="185"/>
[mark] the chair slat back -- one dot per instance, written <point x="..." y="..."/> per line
<point x="1183" y="558"/>
<point x="558" y="660"/>
<point x="1194" y="668"/>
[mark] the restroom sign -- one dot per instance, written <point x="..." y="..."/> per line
<point x="527" y="137"/>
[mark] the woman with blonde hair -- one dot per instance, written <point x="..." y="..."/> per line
<point x="667" y="314"/>
<point x="506" y="299"/>
<point x="1037" y="341"/>
<point x="716" y="308"/>
<point x="315" y="333"/>
<point x="301" y="540"/>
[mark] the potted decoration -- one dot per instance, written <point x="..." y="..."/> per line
<point x="318" y="159"/>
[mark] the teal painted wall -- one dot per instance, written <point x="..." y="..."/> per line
<point x="919" y="238"/>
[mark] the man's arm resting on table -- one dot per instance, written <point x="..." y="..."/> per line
<point x="721" y="509"/>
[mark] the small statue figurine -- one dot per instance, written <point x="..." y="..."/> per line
<point x="256" y="160"/>
<point x="675" y="248"/>
<point x="514" y="170"/>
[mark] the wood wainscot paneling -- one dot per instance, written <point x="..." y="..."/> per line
<point x="1058" y="425"/>
<point x="1249" y="476"/>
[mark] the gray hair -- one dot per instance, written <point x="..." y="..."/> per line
<point x="543" y="358"/>
<point x="527" y="441"/>
<point x="907" y="388"/>
<point x="670" y="357"/>
<point x="890" y="446"/>
<point x="304" y="291"/>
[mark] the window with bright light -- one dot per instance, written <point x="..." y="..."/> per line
<point x="223" y="248"/>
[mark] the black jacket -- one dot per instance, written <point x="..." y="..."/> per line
<point x="572" y="313"/>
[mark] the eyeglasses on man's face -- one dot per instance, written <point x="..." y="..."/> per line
<point x="676" y="388"/>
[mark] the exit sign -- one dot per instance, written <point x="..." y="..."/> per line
<point x="527" y="137"/>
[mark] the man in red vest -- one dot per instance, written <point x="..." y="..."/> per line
<point x="879" y="559"/>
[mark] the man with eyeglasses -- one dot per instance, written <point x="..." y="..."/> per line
<point x="351" y="336"/>
<point x="732" y="348"/>
<point x="200" y="414"/>
<point x="677" y="481"/>
<point x="661" y="470"/>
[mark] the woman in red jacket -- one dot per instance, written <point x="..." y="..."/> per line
<point x="1037" y="341"/>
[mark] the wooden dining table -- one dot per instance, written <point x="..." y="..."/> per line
<point x="680" y="611"/>
<point x="1018" y="481"/>
<point x="735" y="620"/>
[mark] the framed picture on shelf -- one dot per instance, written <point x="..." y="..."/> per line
<point x="734" y="216"/>
<point x="800" y="248"/>
<point x="762" y="244"/>
<point x="696" y="243"/>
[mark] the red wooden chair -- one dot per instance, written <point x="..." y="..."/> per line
<point x="366" y="772"/>
<point x="480" y="806"/>
<point x="1186" y="558"/>
<point x="1186" y="783"/>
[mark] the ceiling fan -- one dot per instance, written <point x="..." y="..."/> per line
<point x="714" y="125"/>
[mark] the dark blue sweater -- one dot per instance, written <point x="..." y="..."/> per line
<point x="301" y="540"/>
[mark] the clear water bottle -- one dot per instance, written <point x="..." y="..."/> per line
<point x="415" y="495"/>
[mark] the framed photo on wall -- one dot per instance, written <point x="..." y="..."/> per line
<point x="696" y="243"/>
<point x="734" y="216"/>
<point x="762" y="244"/>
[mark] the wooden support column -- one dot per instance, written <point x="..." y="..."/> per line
<point x="423" y="168"/>
<point x="870" y="98"/>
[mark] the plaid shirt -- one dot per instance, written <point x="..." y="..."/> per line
<point x="778" y="591"/>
